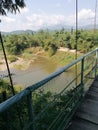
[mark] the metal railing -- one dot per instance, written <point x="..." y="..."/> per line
<point x="50" y="103"/>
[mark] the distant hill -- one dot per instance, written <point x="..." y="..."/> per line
<point x="84" y="27"/>
<point x="68" y="28"/>
<point x="51" y="28"/>
<point x="88" y="27"/>
<point x="19" y="32"/>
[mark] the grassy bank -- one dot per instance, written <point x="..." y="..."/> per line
<point x="64" y="58"/>
<point x="23" y="61"/>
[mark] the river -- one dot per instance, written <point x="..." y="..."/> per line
<point x="38" y="70"/>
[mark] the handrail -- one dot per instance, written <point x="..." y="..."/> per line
<point x="56" y="93"/>
<point x="11" y="101"/>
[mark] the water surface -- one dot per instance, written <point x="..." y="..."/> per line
<point x="38" y="70"/>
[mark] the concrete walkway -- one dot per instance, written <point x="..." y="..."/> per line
<point x="86" y="117"/>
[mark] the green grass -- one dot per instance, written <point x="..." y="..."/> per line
<point x="12" y="58"/>
<point x="27" y="56"/>
<point x="64" y="58"/>
<point x="30" y="53"/>
<point x="61" y="58"/>
<point x="1" y="63"/>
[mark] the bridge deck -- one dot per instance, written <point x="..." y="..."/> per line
<point x="86" y="117"/>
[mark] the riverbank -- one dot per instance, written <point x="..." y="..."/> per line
<point x="20" y="64"/>
<point x="63" y="56"/>
<point x="68" y="50"/>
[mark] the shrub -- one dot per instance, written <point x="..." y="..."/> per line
<point x="12" y="58"/>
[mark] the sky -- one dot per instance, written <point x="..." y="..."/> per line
<point x="43" y="14"/>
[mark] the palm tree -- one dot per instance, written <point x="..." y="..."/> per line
<point x="10" y="6"/>
<point x="5" y="7"/>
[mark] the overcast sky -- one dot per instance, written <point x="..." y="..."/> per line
<point x="40" y="14"/>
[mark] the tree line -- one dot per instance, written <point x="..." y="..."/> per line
<point x="51" y="41"/>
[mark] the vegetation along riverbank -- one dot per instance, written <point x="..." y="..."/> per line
<point x="58" y="45"/>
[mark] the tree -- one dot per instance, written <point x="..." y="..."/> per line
<point x="10" y="6"/>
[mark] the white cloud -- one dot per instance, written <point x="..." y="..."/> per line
<point x="37" y="21"/>
<point x="7" y="19"/>
<point x="24" y="10"/>
<point x="86" y="14"/>
<point x="45" y="20"/>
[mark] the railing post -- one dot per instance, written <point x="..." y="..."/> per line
<point x="30" y="111"/>
<point x="97" y="54"/>
<point x="96" y="62"/>
<point x="82" y="73"/>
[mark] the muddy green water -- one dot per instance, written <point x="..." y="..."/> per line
<point x="38" y="70"/>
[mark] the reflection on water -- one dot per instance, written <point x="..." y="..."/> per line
<point x="38" y="70"/>
<point x="43" y="64"/>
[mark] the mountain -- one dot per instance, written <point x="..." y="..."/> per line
<point x="88" y="27"/>
<point x="51" y="28"/>
<point x="19" y="32"/>
<point x="68" y="27"/>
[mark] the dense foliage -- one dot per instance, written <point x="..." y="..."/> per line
<point x="51" y="40"/>
<point x="47" y="107"/>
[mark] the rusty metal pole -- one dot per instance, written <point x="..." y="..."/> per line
<point x="76" y="38"/>
<point x="7" y="65"/>
<point x="95" y="17"/>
